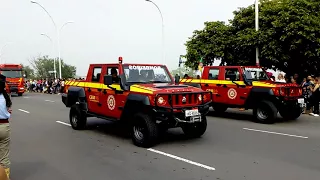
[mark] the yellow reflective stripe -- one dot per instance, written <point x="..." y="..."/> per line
<point x="81" y="84"/>
<point x="145" y="88"/>
<point x="116" y="86"/>
<point x="134" y="88"/>
<point x="206" y="81"/>
<point x="93" y="85"/>
<point x="263" y="84"/>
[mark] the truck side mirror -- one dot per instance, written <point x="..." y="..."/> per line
<point x="176" y="79"/>
<point x="107" y="80"/>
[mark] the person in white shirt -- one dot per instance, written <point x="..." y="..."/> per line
<point x="5" y="113"/>
<point x="280" y="78"/>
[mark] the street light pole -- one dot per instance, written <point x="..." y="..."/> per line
<point x="54" y="60"/>
<point x="59" y="50"/>
<point x="163" y="40"/>
<point x="257" y="28"/>
<point x="57" y="33"/>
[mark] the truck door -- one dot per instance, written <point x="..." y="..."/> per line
<point x="236" y="92"/>
<point x="212" y="84"/>
<point x="113" y="100"/>
<point x="93" y="89"/>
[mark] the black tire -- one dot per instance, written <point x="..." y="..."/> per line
<point x="265" y="112"/>
<point x="290" y="114"/>
<point x="195" y="130"/>
<point x="19" y="94"/>
<point x="219" y="108"/>
<point x="78" y="118"/>
<point x="145" y="131"/>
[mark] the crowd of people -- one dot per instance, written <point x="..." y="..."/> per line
<point x="50" y="86"/>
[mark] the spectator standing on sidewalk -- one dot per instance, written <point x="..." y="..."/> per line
<point x="307" y="93"/>
<point x="315" y="97"/>
<point x="5" y="113"/>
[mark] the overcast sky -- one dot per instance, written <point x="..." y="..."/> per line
<point x="103" y="30"/>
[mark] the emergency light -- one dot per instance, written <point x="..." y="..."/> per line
<point x="120" y="60"/>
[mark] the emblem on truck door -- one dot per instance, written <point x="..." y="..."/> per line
<point x="184" y="99"/>
<point x="111" y="102"/>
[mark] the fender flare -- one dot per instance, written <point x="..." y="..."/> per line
<point x="258" y="94"/>
<point x="76" y="95"/>
<point x="135" y="103"/>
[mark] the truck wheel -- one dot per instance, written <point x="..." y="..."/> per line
<point x="145" y="131"/>
<point x="290" y="114"/>
<point x="19" y="94"/>
<point x="195" y="130"/>
<point x="219" y="108"/>
<point x="266" y="112"/>
<point x="78" y="118"/>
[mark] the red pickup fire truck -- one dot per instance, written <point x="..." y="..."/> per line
<point x="15" y="79"/>
<point x="249" y="87"/>
<point x="143" y="95"/>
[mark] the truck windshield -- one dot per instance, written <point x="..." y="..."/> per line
<point x="146" y="74"/>
<point x="255" y="74"/>
<point x="12" y="73"/>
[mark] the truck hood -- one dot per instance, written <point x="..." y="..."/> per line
<point x="165" y="88"/>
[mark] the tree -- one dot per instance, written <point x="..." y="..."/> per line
<point x="28" y="71"/>
<point x="42" y="66"/>
<point x="210" y="43"/>
<point x="288" y="37"/>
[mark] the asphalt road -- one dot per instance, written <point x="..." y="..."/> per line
<point x="233" y="148"/>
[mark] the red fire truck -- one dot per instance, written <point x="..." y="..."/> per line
<point x="15" y="78"/>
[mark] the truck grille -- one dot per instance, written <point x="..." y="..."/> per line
<point x="182" y="99"/>
<point x="185" y="99"/>
<point x="13" y="83"/>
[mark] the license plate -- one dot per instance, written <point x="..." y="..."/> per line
<point x="303" y="105"/>
<point x="190" y="113"/>
<point x="195" y="119"/>
<point x="301" y="100"/>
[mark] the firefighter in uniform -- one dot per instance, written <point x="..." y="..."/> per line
<point x="5" y="112"/>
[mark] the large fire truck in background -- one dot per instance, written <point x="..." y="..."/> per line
<point x="15" y="77"/>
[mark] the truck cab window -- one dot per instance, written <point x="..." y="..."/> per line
<point x="213" y="74"/>
<point x="232" y="71"/>
<point x="96" y="74"/>
<point x="114" y="72"/>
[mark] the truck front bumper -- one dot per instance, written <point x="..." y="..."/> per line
<point x="15" y="89"/>
<point x="180" y="115"/>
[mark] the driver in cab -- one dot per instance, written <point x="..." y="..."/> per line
<point x="114" y="74"/>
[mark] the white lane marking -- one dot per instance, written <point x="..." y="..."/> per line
<point x="49" y="101"/>
<point x="63" y="123"/>
<point x="26" y="97"/>
<point x="182" y="159"/>
<point x="270" y="132"/>
<point x="24" y="111"/>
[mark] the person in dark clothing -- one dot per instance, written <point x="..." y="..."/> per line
<point x="307" y="86"/>
<point x="315" y="97"/>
